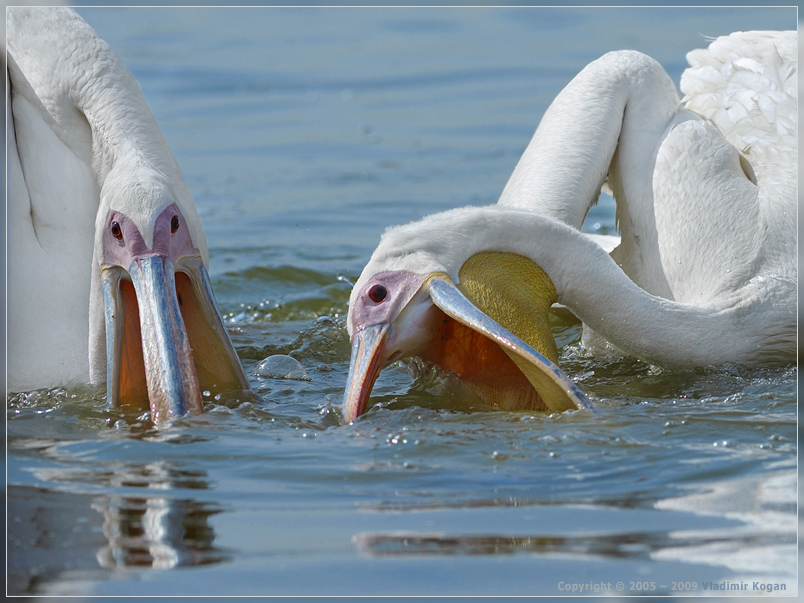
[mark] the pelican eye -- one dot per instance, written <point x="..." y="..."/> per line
<point x="378" y="293"/>
<point x="174" y="224"/>
<point x="117" y="232"/>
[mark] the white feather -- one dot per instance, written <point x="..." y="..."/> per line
<point x="79" y="129"/>
<point x="705" y="272"/>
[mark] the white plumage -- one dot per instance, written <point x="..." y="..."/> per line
<point x="94" y="195"/>
<point x="705" y="272"/>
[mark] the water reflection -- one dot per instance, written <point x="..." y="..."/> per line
<point x="146" y="522"/>
<point x="156" y="475"/>
<point x="154" y="529"/>
<point x="744" y="529"/>
<point x="616" y="546"/>
<point x="49" y="533"/>
<point x="637" y="544"/>
<point x="156" y="532"/>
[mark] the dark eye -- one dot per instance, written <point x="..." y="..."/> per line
<point x="377" y="293"/>
<point x="117" y="232"/>
<point x="174" y="224"/>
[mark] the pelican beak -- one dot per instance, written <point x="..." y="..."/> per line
<point x="368" y="357"/>
<point x="556" y="391"/>
<point x="491" y="330"/>
<point x="165" y="340"/>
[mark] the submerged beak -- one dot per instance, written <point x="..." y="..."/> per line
<point x="492" y="330"/>
<point x="368" y="357"/>
<point x="165" y="340"/>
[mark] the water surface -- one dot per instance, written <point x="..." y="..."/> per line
<point x="303" y="134"/>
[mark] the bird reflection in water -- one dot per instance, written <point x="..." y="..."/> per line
<point x="157" y="530"/>
<point x="404" y="544"/>
<point x="624" y="545"/>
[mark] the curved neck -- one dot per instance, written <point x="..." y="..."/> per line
<point x="612" y="105"/>
<point x="589" y="282"/>
<point x="753" y="324"/>
<point x="97" y="108"/>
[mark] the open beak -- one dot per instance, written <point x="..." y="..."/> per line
<point x="467" y="339"/>
<point x="368" y="357"/>
<point x="165" y="340"/>
<point x="556" y="391"/>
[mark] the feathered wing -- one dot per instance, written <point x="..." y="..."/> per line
<point x="747" y="85"/>
<point x="52" y="198"/>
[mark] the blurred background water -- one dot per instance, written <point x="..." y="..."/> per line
<point x="303" y="134"/>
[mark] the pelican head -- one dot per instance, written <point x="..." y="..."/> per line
<point x="165" y="342"/>
<point x="102" y="216"/>
<point x="481" y="315"/>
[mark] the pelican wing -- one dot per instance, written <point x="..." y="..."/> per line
<point x="52" y="199"/>
<point x="746" y="83"/>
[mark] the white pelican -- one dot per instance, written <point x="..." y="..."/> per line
<point x="705" y="273"/>
<point x="107" y="277"/>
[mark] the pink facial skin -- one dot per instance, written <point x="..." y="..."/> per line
<point x="123" y="243"/>
<point x="400" y="288"/>
<point x="385" y="327"/>
<point x="148" y="348"/>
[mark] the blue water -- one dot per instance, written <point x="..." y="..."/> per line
<point x="303" y="134"/>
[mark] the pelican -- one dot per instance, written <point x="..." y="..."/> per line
<point x="107" y="258"/>
<point x="704" y="274"/>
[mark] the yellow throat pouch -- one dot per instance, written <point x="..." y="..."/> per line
<point x="515" y="292"/>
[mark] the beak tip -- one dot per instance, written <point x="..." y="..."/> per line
<point x="352" y="408"/>
<point x="368" y="346"/>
